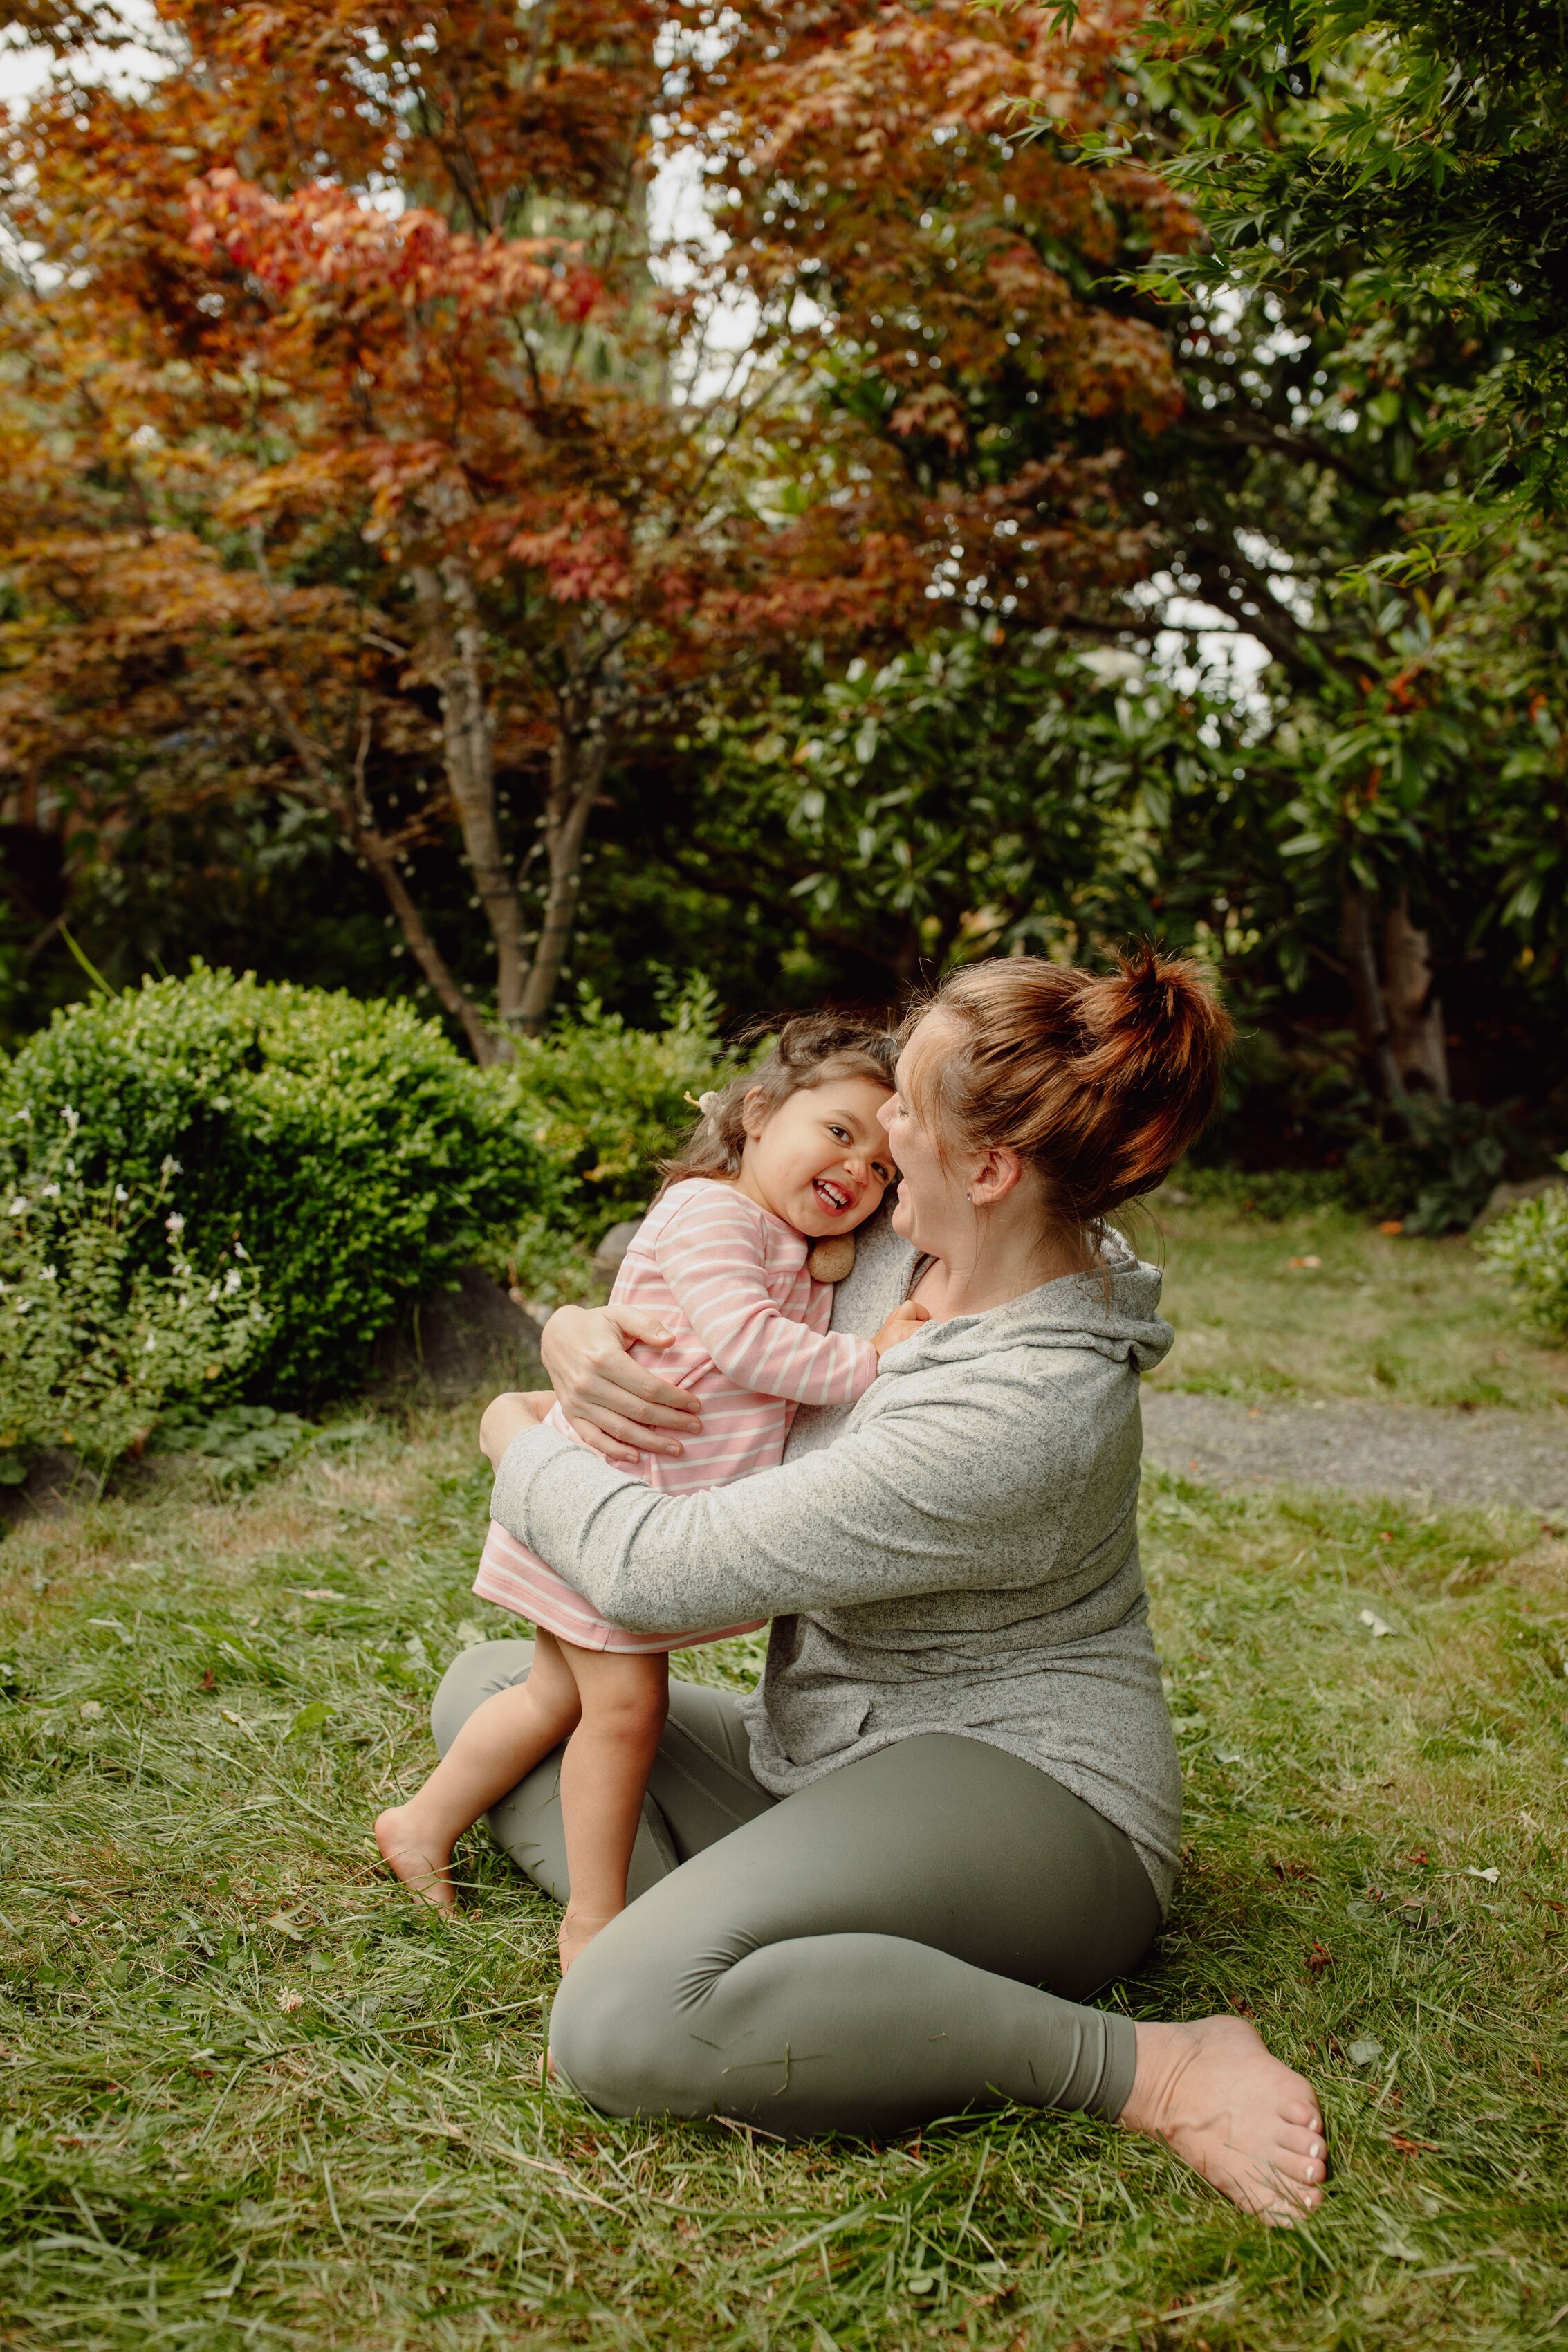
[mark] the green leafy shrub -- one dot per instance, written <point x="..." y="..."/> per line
<point x="603" y="1103"/>
<point x="1437" y="1173"/>
<point x="1265" y="1192"/>
<point x="1530" y="1245"/>
<point x="104" y="1316"/>
<point x="359" y="1158"/>
<point x="239" y="1443"/>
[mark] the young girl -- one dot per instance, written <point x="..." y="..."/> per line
<point x="783" y="1159"/>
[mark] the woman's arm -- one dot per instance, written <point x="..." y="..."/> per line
<point x="938" y="1496"/>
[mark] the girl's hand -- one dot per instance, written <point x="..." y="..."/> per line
<point x="616" y="1407"/>
<point x="901" y="1324"/>
<point x="506" y="1417"/>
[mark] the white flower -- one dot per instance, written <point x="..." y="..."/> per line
<point x="175" y="1222"/>
<point x="170" y="1166"/>
<point x="72" y="1120"/>
<point x="184" y="1300"/>
<point x="47" y="1272"/>
<point x="19" y="1207"/>
<point x="120" y="1194"/>
<point x="214" y="1291"/>
<point x="233" y="1280"/>
<point x="150" y="1343"/>
<point x="22" y="1305"/>
<point x="240" y="1250"/>
<point x="49" y="1192"/>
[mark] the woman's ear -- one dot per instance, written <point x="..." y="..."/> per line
<point x="999" y="1172"/>
<point x="754" y="1112"/>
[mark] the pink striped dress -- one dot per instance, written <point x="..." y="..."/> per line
<point x="751" y="1339"/>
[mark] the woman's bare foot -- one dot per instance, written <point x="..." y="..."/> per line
<point x="418" y="1861"/>
<point x="578" y="1930"/>
<point x="1248" y="2123"/>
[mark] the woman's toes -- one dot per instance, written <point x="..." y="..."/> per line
<point x="1213" y="2093"/>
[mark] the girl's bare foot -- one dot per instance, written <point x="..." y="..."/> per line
<point x="578" y="1930"/>
<point x="1248" y="2123"/>
<point x="418" y="1861"/>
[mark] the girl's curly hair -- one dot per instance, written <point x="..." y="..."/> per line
<point x="808" y="1051"/>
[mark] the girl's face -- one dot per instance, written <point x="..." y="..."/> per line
<point x="821" y="1161"/>
<point x="931" y="1209"/>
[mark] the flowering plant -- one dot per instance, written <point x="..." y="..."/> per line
<point x="94" y="1340"/>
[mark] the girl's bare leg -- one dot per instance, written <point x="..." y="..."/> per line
<point x="507" y="1736"/>
<point x="604" y="1775"/>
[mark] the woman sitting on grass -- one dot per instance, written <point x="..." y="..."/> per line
<point x="875" y="1891"/>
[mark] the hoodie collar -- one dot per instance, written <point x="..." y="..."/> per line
<point x="1112" y="1309"/>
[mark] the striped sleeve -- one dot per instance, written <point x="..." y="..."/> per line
<point x="713" y="1263"/>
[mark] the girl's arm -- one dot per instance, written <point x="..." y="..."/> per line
<point x="935" y="1496"/>
<point x="710" y="1254"/>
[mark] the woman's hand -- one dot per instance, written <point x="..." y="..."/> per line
<point x="614" y="1405"/>
<point x="505" y="1417"/>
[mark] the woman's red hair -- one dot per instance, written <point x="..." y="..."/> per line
<point x="1099" y="1082"/>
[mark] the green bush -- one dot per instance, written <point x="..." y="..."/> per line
<point x="104" y="1319"/>
<point x="1439" y="1170"/>
<point x="1265" y="1192"/>
<point x="603" y="1103"/>
<point x="1530" y="1245"/>
<point x="355" y="1154"/>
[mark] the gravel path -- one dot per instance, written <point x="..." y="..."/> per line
<point x="1366" y="1449"/>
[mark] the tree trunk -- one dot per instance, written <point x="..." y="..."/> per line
<point x="577" y="771"/>
<point x="1366" y="992"/>
<point x="454" y="658"/>
<point x="1414" y="1013"/>
<point x="350" y="808"/>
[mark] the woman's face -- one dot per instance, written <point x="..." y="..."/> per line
<point x="930" y="1209"/>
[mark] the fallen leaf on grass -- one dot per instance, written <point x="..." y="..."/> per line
<point x="1319" y="1959"/>
<point x="1408" y="2146"/>
<point x="1362" y="2054"/>
<point x="1377" y="1623"/>
<point x="320" y="1593"/>
<point x="310" y="1717"/>
<point x="289" y="2001"/>
<point x="1491" y="1875"/>
<point x="283" y="1922"/>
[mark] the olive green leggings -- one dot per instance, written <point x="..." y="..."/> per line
<point x="862" y="1956"/>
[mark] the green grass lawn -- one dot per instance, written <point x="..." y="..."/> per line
<point x="254" y="2096"/>
<point x="1411" y="1321"/>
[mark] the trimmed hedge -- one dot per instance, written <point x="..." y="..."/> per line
<point x="357" y="1157"/>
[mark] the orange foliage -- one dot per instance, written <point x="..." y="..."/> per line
<point x="353" y="278"/>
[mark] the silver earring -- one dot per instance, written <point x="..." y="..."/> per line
<point x="968" y="1196"/>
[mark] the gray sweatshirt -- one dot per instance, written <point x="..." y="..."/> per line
<point x="956" y="1552"/>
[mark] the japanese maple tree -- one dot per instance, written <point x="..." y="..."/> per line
<point x="364" y="445"/>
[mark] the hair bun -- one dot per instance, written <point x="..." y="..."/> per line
<point x="1099" y="1081"/>
<point x="1156" y="1010"/>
